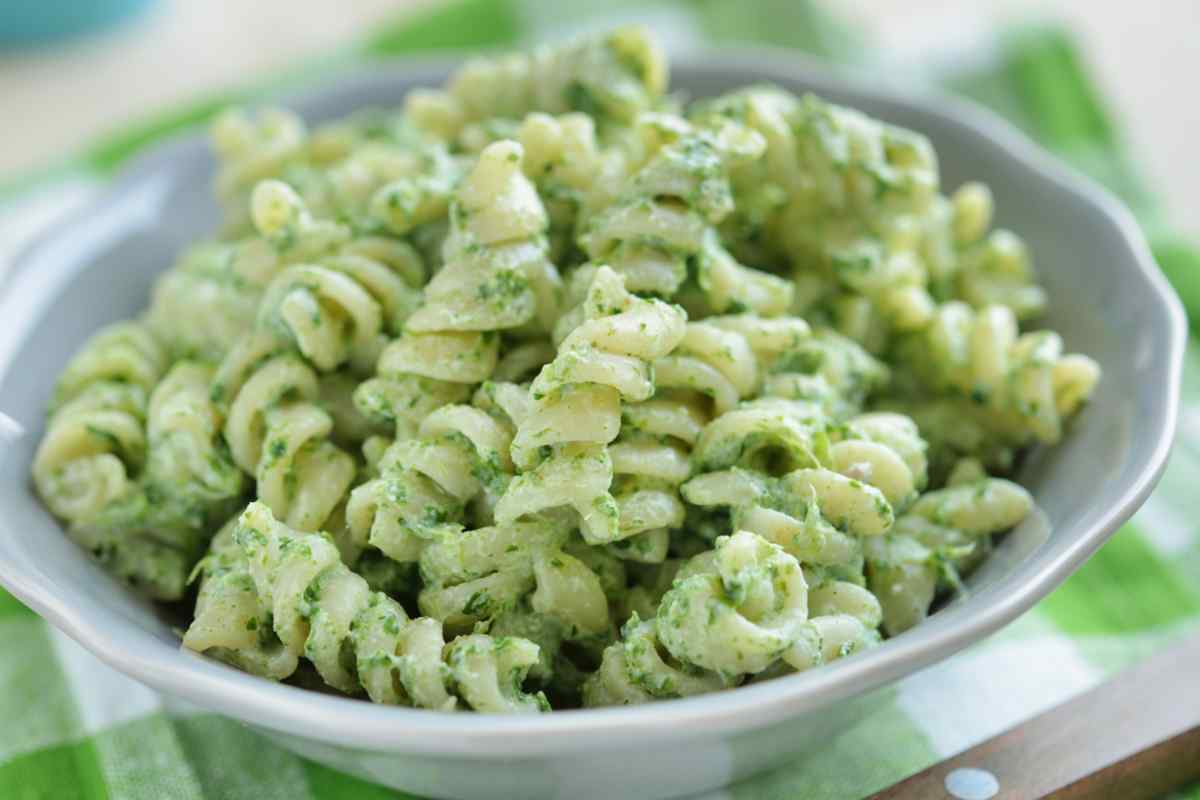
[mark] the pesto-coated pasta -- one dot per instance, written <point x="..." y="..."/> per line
<point x="554" y="389"/>
<point x="95" y="441"/>
<point x="576" y="412"/>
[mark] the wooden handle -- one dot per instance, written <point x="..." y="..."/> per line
<point x="1136" y="736"/>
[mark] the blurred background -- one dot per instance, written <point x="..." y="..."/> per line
<point x="57" y="93"/>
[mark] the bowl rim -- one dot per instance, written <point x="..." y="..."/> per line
<point x="354" y="723"/>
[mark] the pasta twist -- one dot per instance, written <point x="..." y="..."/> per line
<point x="843" y="619"/>
<point x="124" y="353"/>
<point x="839" y="484"/>
<point x="566" y="616"/>
<point x="321" y="609"/>
<point x="151" y="532"/>
<point x="782" y="513"/>
<point x="209" y="298"/>
<point x="638" y="669"/>
<point x="95" y="441"/>
<point x="770" y="435"/>
<point x="852" y="201"/>
<point x="884" y="450"/>
<point x="712" y="367"/>
<point x="190" y="476"/>
<point x="496" y="277"/>
<point x="338" y="310"/>
<point x="612" y="77"/>
<point x="1024" y="381"/>
<point x="665" y="215"/>
<point x="577" y="408"/>
<point x="825" y="368"/>
<point x="906" y="568"/>
<point x="206" y="301"/>
<point x="565" y="162"/>
<point x="994" y="269"/>
<point x="479" y="575"/>
<point x="249" y="148"/>
<point x="459" y="453"/>
<point x="797" y="363"/>
<point x="232" y="623"/>
<point x="736" y="609"/>
<point x="411" y="188"/>
<point x="276" y="432"/>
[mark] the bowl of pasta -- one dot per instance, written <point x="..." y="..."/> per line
<point x="663" y="424"/>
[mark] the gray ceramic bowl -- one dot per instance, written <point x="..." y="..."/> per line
<point x="1107" y="298"/>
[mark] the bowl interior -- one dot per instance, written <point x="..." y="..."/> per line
<point x="99" y="266"/>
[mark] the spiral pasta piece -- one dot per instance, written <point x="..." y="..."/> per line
<point x="665" y="216"/>
<point x="276" y="432"/>
<point x="459" y="454"/>
<point x="496" y="277"/>
<point x="573" y="172"/>
<point x="400" y="511"/>
<point x="884" y="450"/>
<point x="770" y="435"/>
<point x="1024" y="382"/>
<point x="231" y="622"/>
<point x="839" y="483"/>
<point x="566" y="163"/>
<point x="638" y="669"/>
<point x="577" y="407"/>
<point x="996" y="269"/>
<point x="612" y="77"/>
<point x="843" y="619"/>
<point x="712" y="368"/>
<point x="206" y="301"/>
<point x="153" y="533"/>
<point x="851" y="201"/>
<point x="124" y="352"/>
<point x="414" y="188"/>
<point x="423" y="485"/>
<point x="251" y="147"/>
<point x="190" y="475"/>
<point x="338" y="310"/>
<point x="825" y="368"/>
<point x="943" y="528"/>
<point x="496" y="274"/>
<point x="482" y="574"/>
<point x="797" y="363"/>
<point x="736" y="611"/>
<point x="95" y="441"/>
<point x="707" y="372"/>
<point x="418" y="374"/>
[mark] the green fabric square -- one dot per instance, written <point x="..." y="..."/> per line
<point x="11" y="606"/>
<point x="36" y="703"/>
<point x="328" y="784"/>
<point x="1125" y="588"/>
<point x="61" y="772"/>
<point x="232" y="762"/>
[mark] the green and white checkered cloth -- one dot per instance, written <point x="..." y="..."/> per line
<point x="73" y="728"/>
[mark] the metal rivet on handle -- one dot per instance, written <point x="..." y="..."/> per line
<point x="972" y="784"/>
